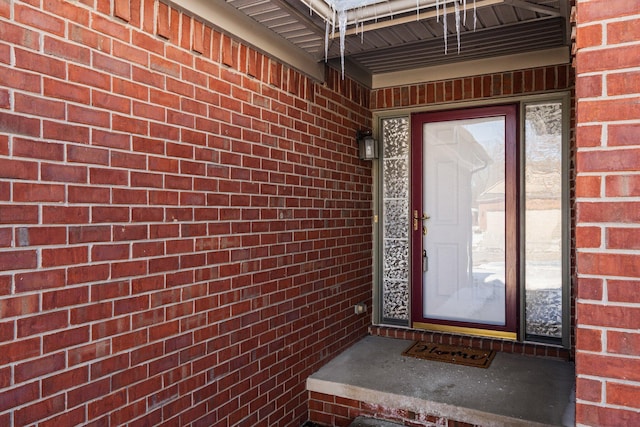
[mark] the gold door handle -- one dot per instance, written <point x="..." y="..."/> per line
<point x="416" y="221"/>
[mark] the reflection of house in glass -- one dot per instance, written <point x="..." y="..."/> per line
<point x="543" y="220"/>
<point x="489" y="228"/>
<point x="465" y="280"/>
<point x="543" y="204"/>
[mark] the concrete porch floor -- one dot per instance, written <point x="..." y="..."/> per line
<point x="515" y="390"/>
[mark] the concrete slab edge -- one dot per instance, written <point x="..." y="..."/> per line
<point x="417" y="405"/>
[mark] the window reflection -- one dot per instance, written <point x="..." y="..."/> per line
<point x="543" y="219"/>
<point x="464" y="192"/>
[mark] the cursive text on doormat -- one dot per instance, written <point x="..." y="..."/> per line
<point x="451" y="354"/>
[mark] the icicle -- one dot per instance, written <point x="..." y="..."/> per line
<point x="359" y="26"/>
<point x="444" y="18"/>
<point x="342" y="27"/>
<point x="417" y="10"/>
<point x="326" y="40"/>
<point x="475" y="17"/>
<point x="457" y="12"/>
<point x="333" y="23"/>
<point x="464" y="8"/>
<point x="437" y="10"/>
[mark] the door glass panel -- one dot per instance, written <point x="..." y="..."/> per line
<point x="395" y="217"/>
<point x="464" y="197"/>
<point x="543" y="219"/>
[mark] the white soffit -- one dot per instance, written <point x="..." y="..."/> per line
<point x="556" y="56"/>
<point x="228" y="19"/>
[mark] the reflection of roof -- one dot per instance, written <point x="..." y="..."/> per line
<point x="538" y="186"/>
<point x="478" y="157"/>
<point x="493" y="193"/>
<point x="469" y="153"/>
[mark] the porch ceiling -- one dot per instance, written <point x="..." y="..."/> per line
<point x="404" y="40"/>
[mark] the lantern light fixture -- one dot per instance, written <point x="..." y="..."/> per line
<point x="367" y="145"/>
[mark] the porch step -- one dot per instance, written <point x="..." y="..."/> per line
<point x="372" y="422"/>
<point x="515" y="390"/>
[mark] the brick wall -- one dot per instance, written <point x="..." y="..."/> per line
<point x="475" y="88"/>
<point x="608" y="204"/>
<point x="184" y="223"/>
<point x="339" y="412"/>
<point x="486" y="343"/>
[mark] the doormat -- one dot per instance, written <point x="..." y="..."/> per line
<point x="458" y="355"/>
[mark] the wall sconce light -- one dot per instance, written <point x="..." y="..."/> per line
<point x="367" y="146"/>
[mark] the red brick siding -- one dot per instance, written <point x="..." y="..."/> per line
<point x="184" y="223"/>
<point x="337" y="411"/>
<point x="475" y="88"/>
<point x="506" y="346"/>
<point x="608" y="205"/>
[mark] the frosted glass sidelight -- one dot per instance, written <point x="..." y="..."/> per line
<point x="395" y="175"/>
<point x="396" y="139"/>
<point x="395" y="300"/>
<point x="395" y="219"/>
<point x="396" y="259"/>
